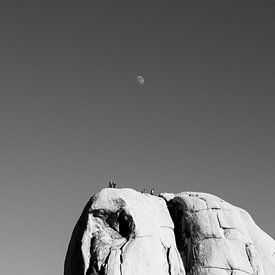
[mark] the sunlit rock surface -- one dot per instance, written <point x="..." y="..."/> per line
<point x="125" y="232"/>
<point x="122" y="231"/>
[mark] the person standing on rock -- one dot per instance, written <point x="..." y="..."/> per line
<point x="112" y="184"/>
<point x="152" y="191"/>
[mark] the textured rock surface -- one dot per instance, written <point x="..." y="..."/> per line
<point x="124" y="232"/>
<point x="215" y="237"/>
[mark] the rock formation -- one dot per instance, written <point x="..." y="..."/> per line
<point x="125" y="232"/>
<point x="215" y="237"/>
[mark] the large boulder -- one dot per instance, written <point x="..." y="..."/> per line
<point x="125" y="232"/>
<point x="122" y="231"/>
<point x="215" y="237"/>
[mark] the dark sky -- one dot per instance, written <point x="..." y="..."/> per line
<point x="72" y="115"/>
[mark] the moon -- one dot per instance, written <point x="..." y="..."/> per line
<point x="140" y="79"/>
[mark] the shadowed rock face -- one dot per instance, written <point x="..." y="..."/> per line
<point x="124" y="232"/>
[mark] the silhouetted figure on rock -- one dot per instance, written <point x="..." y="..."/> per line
<point x="112" y="184"/>
<point x="152" y="191"/>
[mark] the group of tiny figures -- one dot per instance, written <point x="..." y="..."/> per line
<point x="112" y="184"/>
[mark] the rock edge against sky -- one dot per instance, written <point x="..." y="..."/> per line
<point x="125" y="232"/>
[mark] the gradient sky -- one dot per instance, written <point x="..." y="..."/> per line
<point x="72" y="115"/>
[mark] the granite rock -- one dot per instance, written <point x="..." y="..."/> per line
<point x="215" y="237"/>
<point x="125" y="232"/>
<point x="122" y="231"/>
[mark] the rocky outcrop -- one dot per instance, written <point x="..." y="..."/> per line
<point x="215" y="237"/>
<point x="125" y="232"/>
<point x="122" y="231"/>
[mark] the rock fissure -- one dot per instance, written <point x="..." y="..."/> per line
<point x="210" y="237"/>
<point x="121" y="262"/>
<point x="144" y="236"/>
<point x="168" y="261"/>
<point x="230" y="269"/>
<point x="202" y="210"/>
